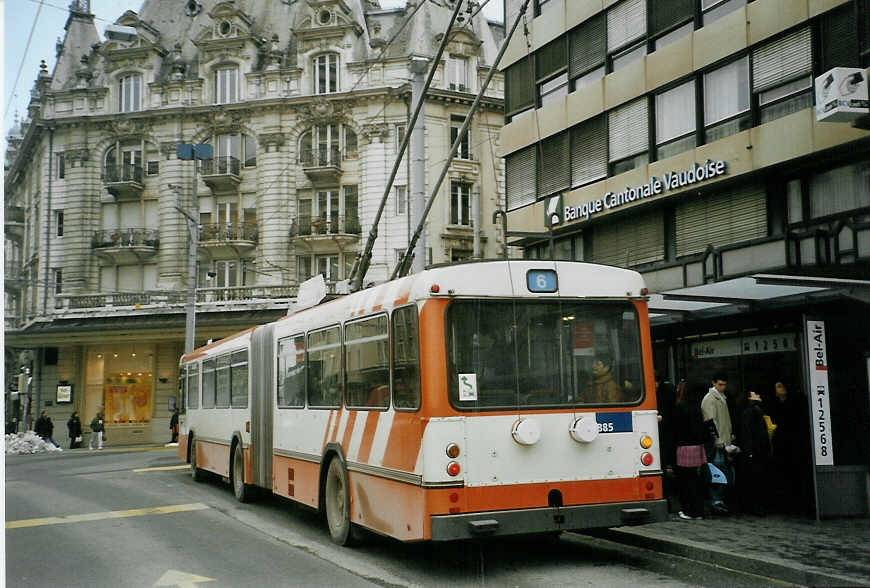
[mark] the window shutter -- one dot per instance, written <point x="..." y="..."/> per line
<point x="667" y="13"/>
<point x="588" y="46"/>
<point x="839" y="38"/>
<point x="629" y="130"/>
<point x="588" y="151"/>
<point x="555" y="164"/>
<point x="782" y="60"/>
<point x="721" y="219"/>
<point x="520" y="177"/>
<point x="551" y="58"/>
<point x="630" y="240"/>
<point x="520" y="91"/>
<point x="625" y="23"/>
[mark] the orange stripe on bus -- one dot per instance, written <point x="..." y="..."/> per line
<point x="368" y="439"/>
<point x="348" y="430"/>
<point x="335" y="425"/>
<point x="512" y="496"/>
<point x="200" y="352"/>
<point x="326" y="431"/>
<point x="403" y="444"/>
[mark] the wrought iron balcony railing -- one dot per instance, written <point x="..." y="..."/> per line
<point x="222" y="165"/>
<point x="129" y="237"/>
<point x="321" y="157"/>
<point x="126" y="172"/>
<point x="228" y="232"/>
<point x="322" y="225"/>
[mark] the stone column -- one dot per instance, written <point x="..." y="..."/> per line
<point x="172" y="254"/>
<point x="374" y="169"/>
<point x="276" y="192"/>
<point x="81" y="219"/>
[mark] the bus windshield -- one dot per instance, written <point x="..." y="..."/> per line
<point x="507" y="354"/>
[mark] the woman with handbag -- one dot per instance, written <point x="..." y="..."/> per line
<point x="74" y="427"/>
<point x="690" y="435"/>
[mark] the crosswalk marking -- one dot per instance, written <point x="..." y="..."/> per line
<point x="112" y="514"/>
<point x="162" y="468"/>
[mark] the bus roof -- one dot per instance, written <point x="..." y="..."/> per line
<point x="495" y="279"/>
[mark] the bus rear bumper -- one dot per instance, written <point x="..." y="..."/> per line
<point x="543" y="520"/>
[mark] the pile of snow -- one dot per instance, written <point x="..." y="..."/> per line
<point x="27" y="442"/>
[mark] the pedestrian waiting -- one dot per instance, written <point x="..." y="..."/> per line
<point x="690" y="436"/>
<point x="98" y="428"/>
<point x="74" y="428"/>
<point x="721" y="447"/>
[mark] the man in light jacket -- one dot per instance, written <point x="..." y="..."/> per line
<point x="714" y="408"/>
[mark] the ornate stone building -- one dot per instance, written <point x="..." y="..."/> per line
<point x="304" y="103"/>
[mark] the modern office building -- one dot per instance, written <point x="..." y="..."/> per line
<point x="304" y="103"/>
<point x="683" y="139"/>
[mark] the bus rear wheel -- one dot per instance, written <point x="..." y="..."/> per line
<point x="240" y="489"/>
<point x="337" y="498"/>
<point x="197" y="474"/>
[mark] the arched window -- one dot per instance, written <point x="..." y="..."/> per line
<point x="226" y="85"/>
<point x="130" y="93"/>
<point x="326" y="73"/>
<point x="124" y="163"/>
<point x="321" y="145"/>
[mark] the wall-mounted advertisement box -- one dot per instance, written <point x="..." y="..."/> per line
<point x="64" y="392"/>
<point x="841" y="95"/>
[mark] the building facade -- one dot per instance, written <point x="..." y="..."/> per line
<point x="681" y="139"/>
<point x="304" y="104"/>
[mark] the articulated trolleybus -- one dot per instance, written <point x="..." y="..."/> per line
<point x="488" y="398"/>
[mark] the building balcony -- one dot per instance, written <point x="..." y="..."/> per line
<point x="13" y="222"/>
<point x="223" y="239"/>
<point x="242" y="298"/>
<point x="123" y="246"/>
<point x="222" y="174"/>
<point x="343" y="228"/>
<point x="124" y="181"/>
<point x="13" y="277"/>
<point x="322" y="166"/>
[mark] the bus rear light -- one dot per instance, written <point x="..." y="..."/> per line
<point x="649" y="486"/>
<point x="454" y="497"/>
<point x="646" y="458"/>
<point x="452" y="450"/>
<point x="453" y="468"/>
<point x="646" y="441"/>
<point x="434" y="288"/>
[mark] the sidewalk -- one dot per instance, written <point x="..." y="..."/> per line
<point x="792" y="549"/>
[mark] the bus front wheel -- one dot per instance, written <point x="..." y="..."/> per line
<point x="240" y="489"/>
<point x="337" y="498"/>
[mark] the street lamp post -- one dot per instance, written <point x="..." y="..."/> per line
<point x="187" y="151"/>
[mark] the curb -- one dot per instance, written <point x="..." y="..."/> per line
<point x="793" y="573"/>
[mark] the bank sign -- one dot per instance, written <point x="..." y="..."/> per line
<point x="556" y="213"/>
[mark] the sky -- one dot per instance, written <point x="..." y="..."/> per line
<point x="18" y="19"/>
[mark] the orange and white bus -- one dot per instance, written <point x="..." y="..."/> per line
<point x="487" y="398"/>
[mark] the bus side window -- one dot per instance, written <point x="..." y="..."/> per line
<point x="406" y="363"/>
<point x="324" y="368"/>
<point x="291" y="372"/>
<point x="367" y="363"/>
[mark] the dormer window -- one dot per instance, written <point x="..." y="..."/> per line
<point x="130" y="93"/>
<point x="326" y="73"/>
<point x="226" y="85"/>
<point x="457" y="73"/>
